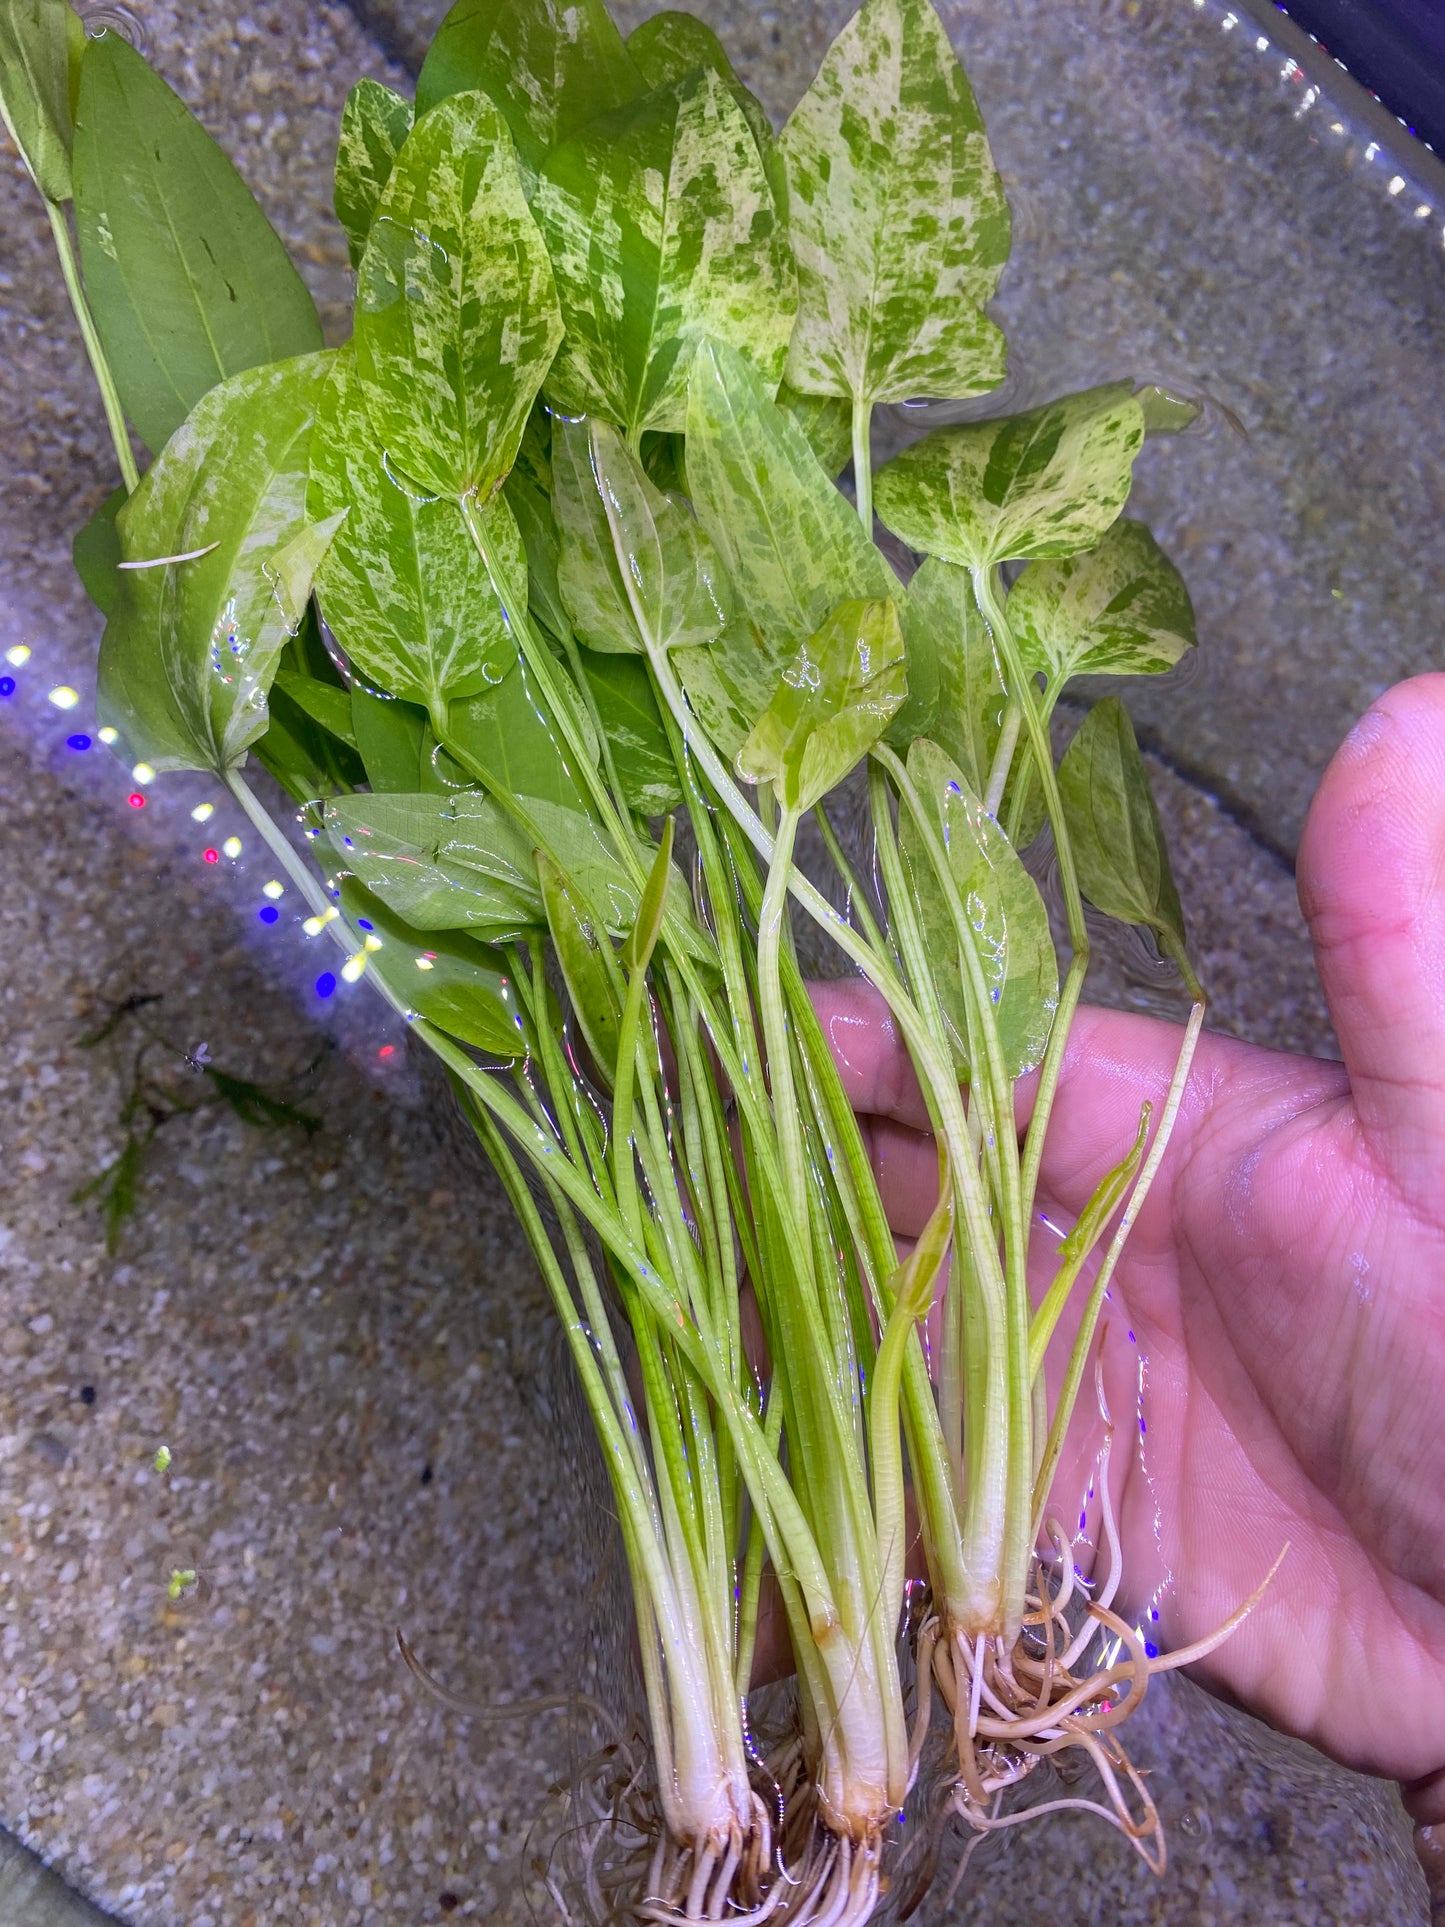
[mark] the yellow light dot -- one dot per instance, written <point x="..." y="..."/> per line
<point x="373" y="942"/>
<point x="18" y="656"/>
<point x="313" y="926"/>
<point x="424" y="963"/>
<point x="108" y="735"/>
<point x="143" y="773"/>
<point x="203" y="812"/>
<point x="64" y="697"/>
<point x="1396" y="186"/>
<point x="273" y="889"/>
<point x="231" y="847"/>
<point x="352" y="968"/>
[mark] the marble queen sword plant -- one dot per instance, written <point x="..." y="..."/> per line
<point x="544" y="574"/>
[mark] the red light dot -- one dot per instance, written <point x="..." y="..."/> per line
<point x="211" y="856"/>
<point x="136" y="800"/>
<point x="386" y="1050"/>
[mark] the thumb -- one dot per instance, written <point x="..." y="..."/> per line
<point x="1372" y="886"/>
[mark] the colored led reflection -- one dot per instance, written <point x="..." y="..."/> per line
<point x="136" y="800"/>
<point x="203" y="812"/>
<point x="268" y="913"/>
<point x="108" y="735"/>
<point x="77" y="742"/>
<point x="7" y="685"/>
<point x="18" y="655"/>
<point x="64" y="697"/>
<point x="325" y="984"/>
<point x="232" y="847"/>
<point x="210" y="856"/>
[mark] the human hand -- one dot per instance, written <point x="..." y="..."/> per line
<point x="1285" y="1282"/>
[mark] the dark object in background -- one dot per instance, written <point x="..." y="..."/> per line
<point x="1396" y="48"/>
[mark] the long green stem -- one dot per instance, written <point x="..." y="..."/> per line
<point x="90" y="335"/>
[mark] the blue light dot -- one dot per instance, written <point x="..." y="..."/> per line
<point x="77" y="742"/>
<point x="325" y="984"/>
<point x="268" y="913"/>
<point x="1150" y="1649"/>
<point x="1153" y="1612"/>
<point x="362" y="924"/>
<point x="7" y="685"/>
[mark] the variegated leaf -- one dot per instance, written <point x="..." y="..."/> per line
<point x="1046" y="483"/>
<point x="1121" y="609"/>
<point x="833" y="702"/>
<point x="954" y="694"/>
<point x="897" y="216"/>
<point x="662" y="229"/>
<point x="374" y="125"/>
<point x="402" y="587"/>
<point x="1005" y="921"/>
<point x="670" y="46"/>
<point x="550" y="65"/>
<point x="670" y="571"/>
<point x="456" y="315"/>
<point x="192" y="645"/>
<point x="1118" y="840"/>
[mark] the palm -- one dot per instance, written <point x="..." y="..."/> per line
<point x="1284" y="1286"/>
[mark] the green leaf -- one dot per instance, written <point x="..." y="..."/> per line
<point x="550" y="65"/>
<point x="827" y="422"/>
<point x="403" y="848"/>
<point x="1166" y="413"/>
<point x="664" y="569"/>
<point x="374" y="125"/>
<point x="456" y="316"/>
<point x="323" y="702"/>
<point x="191" y="647"/>
<point x="662" y="229"/>
<point x="457" y="984"/>
<point x="628" y="715"/>
<point x="1046" y="483"/>
<point x="40" y="44"/>
<point x="503" y="734"/>
<point x="536" y="524"/>
<point x="293" y="568"/>
<point x="1121" y="609"/>
<point x="187" y="280"/>
<point x="834" y="702"/>
<point x="1114" y="827"/>
<point x="1005" y="919"/>
<point x="591" y="983"/>
<point x="96" y="551"/>
<point x="955" y="696"/>
<point x="670" y="46"/>
<point x="395" y="742"/>
<point x="897" y="216"/>
<point x="402" y="588"/>
<point x="790" y="545"/>
<point x="305" y="757"/>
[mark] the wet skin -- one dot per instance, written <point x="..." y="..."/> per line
<point x="1285" y="1283"/>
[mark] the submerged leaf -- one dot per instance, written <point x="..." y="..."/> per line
<point x="1045" y="483"/>
<point x="790" y="545"/>
<point x="41" y="43"/>
<point x="323" y="702"/>
<point x="401" y="848"/>
<point x="1114" y="827"/>
<point x="456" y="316"/>
<point x="402" y="588"/>
<point x="585" y="955"/>
<point x="897" y="216"/>
<point x="186" y="279"/>
<point x="1005" y="922"/>
<point x="628" y="715"/>
<point x="393" y="740"/>
<point x="1166" y="413"/>
<point x="191" y="647"/>
<point x="954" y="693"/>
<point x="504" y="736"/>
<point x="374" y="125"/>
<point x="666" y="566"/>
<point x="1121" y="609"/>
<point x="834" y="702"/>
<point x="662" y="229"/>
<point x="551" y="67"/>
<point x="461" y="986"/>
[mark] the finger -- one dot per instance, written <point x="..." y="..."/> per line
<point x="1372" y="886"/>
<point x="877" y="1073"/>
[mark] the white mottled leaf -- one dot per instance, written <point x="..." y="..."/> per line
<point x="402" y="586"/>
<point x="191" y="647"/>
<point x="374" y="125"/>
<point x="897" y="215"/>
<point x="1045" y="483"/>
<point x="1121" y="609"/>
<point x="456" y="316"/>
<point x="662" y="229"/>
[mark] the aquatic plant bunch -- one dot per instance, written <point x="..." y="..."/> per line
<point x="545" y="578"/>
